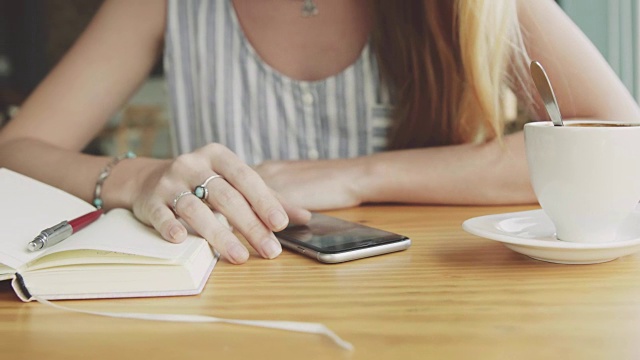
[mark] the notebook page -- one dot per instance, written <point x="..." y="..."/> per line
<point x="119" y="231"/>
<point x="28" y="206"/>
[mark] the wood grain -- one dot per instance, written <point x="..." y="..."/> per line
<point x="451" y="295"/>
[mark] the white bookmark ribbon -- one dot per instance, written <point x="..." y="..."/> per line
<point x="304" y="327"/>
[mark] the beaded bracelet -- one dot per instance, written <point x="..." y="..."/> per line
<point x="97" y="199"/>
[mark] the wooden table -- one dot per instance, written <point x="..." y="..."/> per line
<point x="451" y="295"/>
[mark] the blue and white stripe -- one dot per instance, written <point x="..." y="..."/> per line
<point x="221" y="91"/>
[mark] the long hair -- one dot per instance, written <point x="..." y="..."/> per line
<point x="448" y="63"/>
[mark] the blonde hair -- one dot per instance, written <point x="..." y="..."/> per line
<point x="449" y="62"/>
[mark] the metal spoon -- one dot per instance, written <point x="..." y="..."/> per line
<point x="541" y="80"/>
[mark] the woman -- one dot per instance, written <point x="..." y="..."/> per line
<point x="260" y="91"/>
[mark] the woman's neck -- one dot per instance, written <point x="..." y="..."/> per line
<point x="306" y="48"/>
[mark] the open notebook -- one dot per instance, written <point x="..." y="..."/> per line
<point x="116" y="256"/>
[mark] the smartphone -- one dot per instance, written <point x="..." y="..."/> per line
<point x="332" y="240"/>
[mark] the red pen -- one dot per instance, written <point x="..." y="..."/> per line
<point x="55" y="234"/>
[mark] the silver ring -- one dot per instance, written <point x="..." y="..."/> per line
<point x="201" y="191"/>
<point x="175" y="200"/>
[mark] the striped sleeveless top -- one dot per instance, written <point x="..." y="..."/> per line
<point x="221" y="91"/>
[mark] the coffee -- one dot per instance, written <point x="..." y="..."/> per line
<point x="602" y="124"/>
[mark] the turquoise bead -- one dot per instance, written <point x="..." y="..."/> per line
<point x="97" y="203"/>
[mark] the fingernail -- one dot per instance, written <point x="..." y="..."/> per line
<point x="176" y="234"/>
<point x="271" y="248"/>
<point x="278" y="220"/>
<point x="238" y="253"/>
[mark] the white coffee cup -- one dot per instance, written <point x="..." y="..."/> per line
<point x="586" y="178"/>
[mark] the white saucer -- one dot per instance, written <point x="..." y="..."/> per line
<point x="533" y="234"/>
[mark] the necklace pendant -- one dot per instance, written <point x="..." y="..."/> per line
<point x="309" y="8"/>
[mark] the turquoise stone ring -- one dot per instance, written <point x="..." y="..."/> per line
<point x="201" y="190"/>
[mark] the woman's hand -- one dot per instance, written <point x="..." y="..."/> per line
<point x="239" y="194"/>
<point x="316" y="184"/>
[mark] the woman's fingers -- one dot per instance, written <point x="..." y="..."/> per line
<point x="230" y="202"/>
<point x="200" y="218"/>
<point x="165" y="222"/>
<point x="198" y="215"/>
<point x="213" y="177"/>
<point x="246" y="181"/>
<point x="297" y="215"/>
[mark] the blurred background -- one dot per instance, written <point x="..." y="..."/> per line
<point x="34" y="34"/>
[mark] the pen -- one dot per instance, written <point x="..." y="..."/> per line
<point x="55" y="234"/>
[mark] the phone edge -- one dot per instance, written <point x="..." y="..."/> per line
<point x="356" y="254"/>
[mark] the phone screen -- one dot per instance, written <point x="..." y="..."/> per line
<point x="326" y="234"/>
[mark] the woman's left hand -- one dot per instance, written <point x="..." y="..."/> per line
<point x="315" y="184"/>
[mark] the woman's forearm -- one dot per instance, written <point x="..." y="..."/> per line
<point x="469" y="174"/>
<point x="74" y="172"/>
